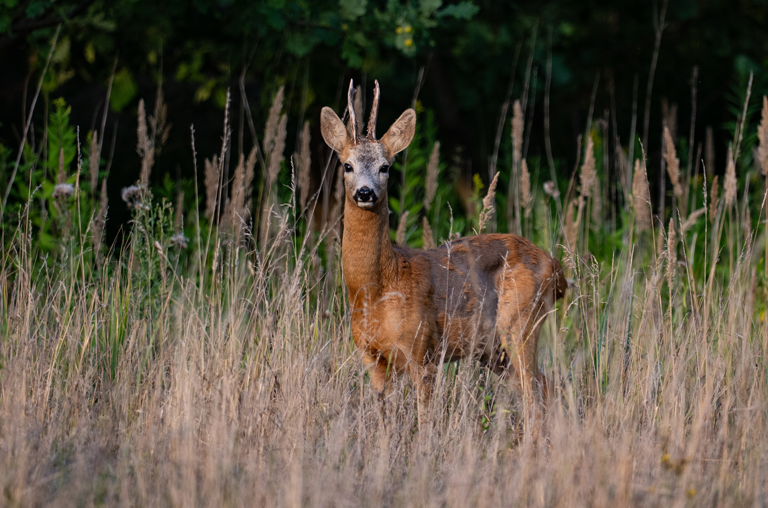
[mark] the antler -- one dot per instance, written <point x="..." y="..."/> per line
<point x="374" y="112"/>
<point x="352" y="115"/>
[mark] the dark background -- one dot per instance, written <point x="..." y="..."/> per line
<point x="467" y="51"/>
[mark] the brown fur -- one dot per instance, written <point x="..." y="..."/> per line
<point x="482" y="297"/>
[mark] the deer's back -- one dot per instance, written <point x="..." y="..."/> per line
<point x="473" y="277"/>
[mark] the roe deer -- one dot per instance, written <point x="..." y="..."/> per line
<point x="483" y="296"/>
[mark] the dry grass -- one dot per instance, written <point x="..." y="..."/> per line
<point x="231" y="379"/>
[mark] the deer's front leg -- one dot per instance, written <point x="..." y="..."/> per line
<point x="377" y="370"/>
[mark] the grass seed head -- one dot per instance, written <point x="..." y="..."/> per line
<point x="517" y="132"/>
<point x="525" y="188"/>
<point x="671" y="252"/>
<point x="762" y="136"/>
<point x="713" y="200"/>
<point x="402" y="226"/>
<point x="432" y="171"/>
<point x="588" y="171"/>
<point x="730" y="181"/>
<point x="211" y="186"/>
<point x="273" y="121"/>
<point x="673" y="163"/>
<point x="641" y="197"/>
<point x="427" y="237"/>
<point x="276" y="155"/>
<point x="304" y="160"/>
<point x="488" y="202"/>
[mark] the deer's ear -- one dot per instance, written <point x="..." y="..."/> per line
<point x="334" y="132"/>
<point x="399" y="136"/>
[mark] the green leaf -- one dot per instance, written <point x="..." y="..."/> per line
<point x="60" y="136"/>
<point x="351" y="53"/>
<point x="300" y="44"/>
<point x="352" y="9"/>
<point x="37" y="7"/>
<point x="463" y="10"/>
<point x="123" y="90"/>
<point x="428" y="7"/>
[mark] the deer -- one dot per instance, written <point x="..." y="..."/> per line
<point x="483" y="297"/>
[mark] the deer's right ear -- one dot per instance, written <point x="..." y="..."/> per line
<point x="333" y="130"/>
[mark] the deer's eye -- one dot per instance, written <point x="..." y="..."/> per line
<point x="384" y="168"/>
<point x="347" y="168"/>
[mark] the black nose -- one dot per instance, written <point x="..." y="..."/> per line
<point x="365" y="195"/>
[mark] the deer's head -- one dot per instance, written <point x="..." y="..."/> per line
<point x="366" y="161"/>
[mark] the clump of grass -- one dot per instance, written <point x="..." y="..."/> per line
<point x="226" y="374"/>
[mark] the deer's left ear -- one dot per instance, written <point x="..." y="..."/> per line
<point x="399" y="136"/>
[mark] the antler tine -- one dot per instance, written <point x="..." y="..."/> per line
<point x="351" y="108"/>
<point x="374" y="112"/>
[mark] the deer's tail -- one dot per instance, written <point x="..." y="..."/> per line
<point x="561" y="283"/>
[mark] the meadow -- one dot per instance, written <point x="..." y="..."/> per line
<point x="207" y="360"/>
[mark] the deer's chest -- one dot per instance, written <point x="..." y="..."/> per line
<point x="398" y="317"/>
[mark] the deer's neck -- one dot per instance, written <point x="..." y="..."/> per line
<point x="366" y="251"/>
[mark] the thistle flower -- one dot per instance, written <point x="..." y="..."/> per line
<point x="63" y="190"/>
<point x="132" y="197"/>
<point x="179" y="240"/>
<point x="550" y="189"/>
